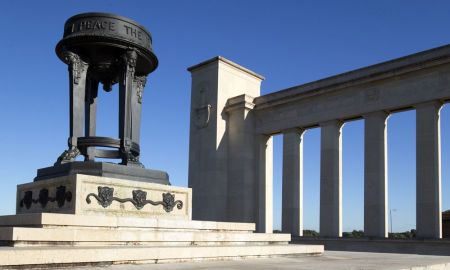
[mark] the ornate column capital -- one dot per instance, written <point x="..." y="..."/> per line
<point x="140" y="82"/>
<point x="76" y="65"/>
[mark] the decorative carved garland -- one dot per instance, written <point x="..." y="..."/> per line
<point x="61" y="197"/>
<point x="105" y="197"/>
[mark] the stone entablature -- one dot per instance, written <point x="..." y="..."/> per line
<point x="390" y="86"/>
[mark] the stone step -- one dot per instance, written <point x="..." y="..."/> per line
<point x="63" y="220"/>
<point x="65" y="256"/>
<point x="68" y="236"/>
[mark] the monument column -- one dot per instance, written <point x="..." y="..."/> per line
<point x="90" y="109"/>
<point x="264" y="221"/>
<point x="330" y="179"/>
<point x="125" y="106"/>
<point x="77" y="77"/>
<point x="375" y="175"/>
<point x="241" y="159"/>
<point x="428" y="171"/>
<point x="292" y="195"/>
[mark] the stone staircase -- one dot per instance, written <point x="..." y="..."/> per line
<point x="48" y="239"/>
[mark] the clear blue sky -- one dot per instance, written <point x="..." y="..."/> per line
<point x="289" y="42"/>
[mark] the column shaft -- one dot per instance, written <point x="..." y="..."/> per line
<point x="125" y="107"/>
<point x="375" y="175"/>
<point x="292" y="197"/>
<point x="265" y="184"/>
<point x="91" y="115"/>
<point x="428" y="171"/>
<point x="330" y="179"/>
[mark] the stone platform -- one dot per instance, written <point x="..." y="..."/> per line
<point x="330" y="260"/>
<point x="439" y="247"/>
<point x="89" y="220"/>
<point x="63" y="239"/>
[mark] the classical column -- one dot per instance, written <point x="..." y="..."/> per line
<point x="90" y="114"/>
<point x="125" y="110"/>
<point x="264" y="209"/>
<point x="428" y="171"/>
<point x="242" y="176"/>
<point x="331" y="179"/>
<point x="292" y="197"/>
<point x="77" y="79"/>
<point x="136" y="101"/>
<point x="375" y="175"/>
<point x="91" y="107"/>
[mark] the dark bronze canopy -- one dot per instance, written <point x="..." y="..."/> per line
<point x="107" y="49"/>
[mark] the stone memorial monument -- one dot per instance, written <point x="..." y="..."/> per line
<point x="102" y="49"/>
<point x="83" y="212"/>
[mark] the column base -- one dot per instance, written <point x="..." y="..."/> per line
<point x="104" y="169"/>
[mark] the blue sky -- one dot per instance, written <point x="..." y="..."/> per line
<point x="289" y="42"/>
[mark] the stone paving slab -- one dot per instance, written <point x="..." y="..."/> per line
<point x="329" y="260"/>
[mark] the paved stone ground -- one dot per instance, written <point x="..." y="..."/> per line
<point x="329" y="260"/>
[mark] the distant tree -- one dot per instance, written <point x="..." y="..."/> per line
<point x="353" y="234"/>
<point x="403" y="235"/>
<point x="310" y="233"/>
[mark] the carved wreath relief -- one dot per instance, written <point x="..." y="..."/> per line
<point x="203" y="107"/>
<point x="105" y="196"/>
<point x="61" y="197"/>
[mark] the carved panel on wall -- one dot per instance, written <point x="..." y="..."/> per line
<point x="202" y="107"/>
<point x="61" y="196"/>
<point x="105" y="196"/>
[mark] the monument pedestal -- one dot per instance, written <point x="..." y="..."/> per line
<point x="93" y="195"/>
<point x="85" y="220"/>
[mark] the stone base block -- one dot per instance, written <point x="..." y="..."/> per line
<point x="47" y="239"/>
<point x="92" y="195"/>
<point x="50" y="220"/>
<point x="22" y="236"/>
<point x="90" y="255"/>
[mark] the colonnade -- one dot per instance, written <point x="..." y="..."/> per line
<point x="428" y="175"/>
<point x="230" y="149"/>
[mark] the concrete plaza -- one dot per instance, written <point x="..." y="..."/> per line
<point x="329" y="260"/>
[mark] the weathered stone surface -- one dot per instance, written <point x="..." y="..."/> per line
<point x="292" y="190"/>
<point x="93" y="195"/>
<point x="428" y="171"/>
<point x="63" y="236"/>
<point x="375" y="175"/>
<point x="222" y="193"/>
<point x="61" y="255"/>
<point x="110" y="221"/>
<point x="330" y="260"/>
